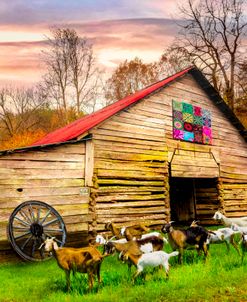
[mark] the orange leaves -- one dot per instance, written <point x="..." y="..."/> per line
<point x="22" y="139"/>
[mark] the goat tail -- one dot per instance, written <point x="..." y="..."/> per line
<point x="173" y="254"/>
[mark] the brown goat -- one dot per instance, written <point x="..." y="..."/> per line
<point x="83" y="260"/>
<point x="136" y="247"/>
<point x="193" y="237"/>
<point x="129" y="232"/>
<point x="135" y="231"/>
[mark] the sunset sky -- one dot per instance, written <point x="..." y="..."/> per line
<point x="118" y="29"/>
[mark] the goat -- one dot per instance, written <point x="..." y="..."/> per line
<point x="193" y="237"/>
<point x="222" y="235"/>
<point x="101" y="240"/>
<point x="239" y="229"/>
<point x="153" y="259"/>
<point x="83" y="260"/>
<point x="134" y="231"/>
<point x="241" y="221"/>
<point x="155" y="244"/>
<point x="137" y="247"/>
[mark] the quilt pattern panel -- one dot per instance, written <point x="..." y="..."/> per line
<point x="191" y="123"/>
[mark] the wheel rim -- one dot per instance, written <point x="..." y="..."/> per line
<point x="30" y="224"/>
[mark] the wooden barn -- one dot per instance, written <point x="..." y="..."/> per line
<point x="173" y="150"/>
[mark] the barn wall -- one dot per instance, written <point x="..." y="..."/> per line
<point x="133" y="148"/>
<point x="52" y="175"/>
<point x="131" y="168"/>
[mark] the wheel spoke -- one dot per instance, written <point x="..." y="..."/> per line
<point x="26" y="242"/>
<point x="31" y="212"/>
<point x="24" y="215"/>
<point x="59" y="241"/>
<point x="21" y="221"/>
<point x="50" y="222"/>
<point x="54" y="230"/>
<point x="23" y="235"/>
<point x="47" y="214"/>
<point x="20" y="228"/>
<point x="38" y="214"/>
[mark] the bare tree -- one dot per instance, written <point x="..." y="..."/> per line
<point x="210" y="37"/>
<point x="84" y="74"/>
<point x="56" y="59"/>
<point x="17" y="109"/>
<point x="71" y="78"/>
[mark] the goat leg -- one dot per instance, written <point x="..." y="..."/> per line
<point x="98" y="273"/>
<point x="67" y="273"/>
<point x="233" y="243"/>
<point x="90" y="280"/>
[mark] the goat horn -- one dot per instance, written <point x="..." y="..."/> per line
<point x="170" y="222"/>
<point x="112" y="238"/>
<point x="42" y="244"/>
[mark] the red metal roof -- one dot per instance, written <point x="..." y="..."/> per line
<point x="87" y="122"/>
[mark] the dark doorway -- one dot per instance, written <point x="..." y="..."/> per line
<point x="182" y="199"/>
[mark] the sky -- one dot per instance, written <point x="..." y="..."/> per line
<point x="118" y="29"/>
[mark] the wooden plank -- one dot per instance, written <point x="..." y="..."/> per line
<point x="128" y="165"/>
<point x="89" y="163"/>
<point x="131" y="197"/>
<point x="130" y="174"/>
<point x="130" y="147"/>
<point x="43" y="165"/>
<point x="126" y="182"/>
<point x="105" y="135"/>
<point x="51" y="200"/>
<point x="159" y="156"/>
<point x="32" y="183"/>
<point x="38" y="192"/>
<point x="39" y="174"/>
<point x="129" y="204"/>
<point x="44" y="156"/>
<point x="129" y="190"/>
<point x="128" y="135"/>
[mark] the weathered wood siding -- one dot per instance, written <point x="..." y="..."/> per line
<point x="133" y="148"/>
<point x="131" y="167"/>
<point x="54" y="175"/>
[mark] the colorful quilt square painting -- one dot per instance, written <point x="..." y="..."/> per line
<point x="191" y="123"/>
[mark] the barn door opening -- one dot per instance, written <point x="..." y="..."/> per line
<point x="193" y="198"/>
<point x="182" y="199"/>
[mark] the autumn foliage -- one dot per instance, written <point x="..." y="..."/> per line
<point x="23" y="139"/>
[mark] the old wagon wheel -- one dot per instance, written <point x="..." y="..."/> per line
<point x="29" y="225"/>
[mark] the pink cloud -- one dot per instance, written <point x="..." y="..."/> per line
<point x="113" y="41"/>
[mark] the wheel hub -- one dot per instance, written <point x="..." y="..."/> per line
<point x="36" y="229"/>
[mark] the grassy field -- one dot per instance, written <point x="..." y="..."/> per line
<point x="221" y="278"/>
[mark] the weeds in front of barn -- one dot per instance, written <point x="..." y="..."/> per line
<point x="221" y="278"/>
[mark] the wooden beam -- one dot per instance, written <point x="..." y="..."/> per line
<point x="89" y="163"/>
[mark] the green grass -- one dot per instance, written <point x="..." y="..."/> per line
<point x="221" y="278"/>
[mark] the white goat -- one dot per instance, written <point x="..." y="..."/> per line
<point x="223" y="235"/>
<point x="150" y="260"/>
<point x="241" y="221"/>
<point x="240" y="229"/>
